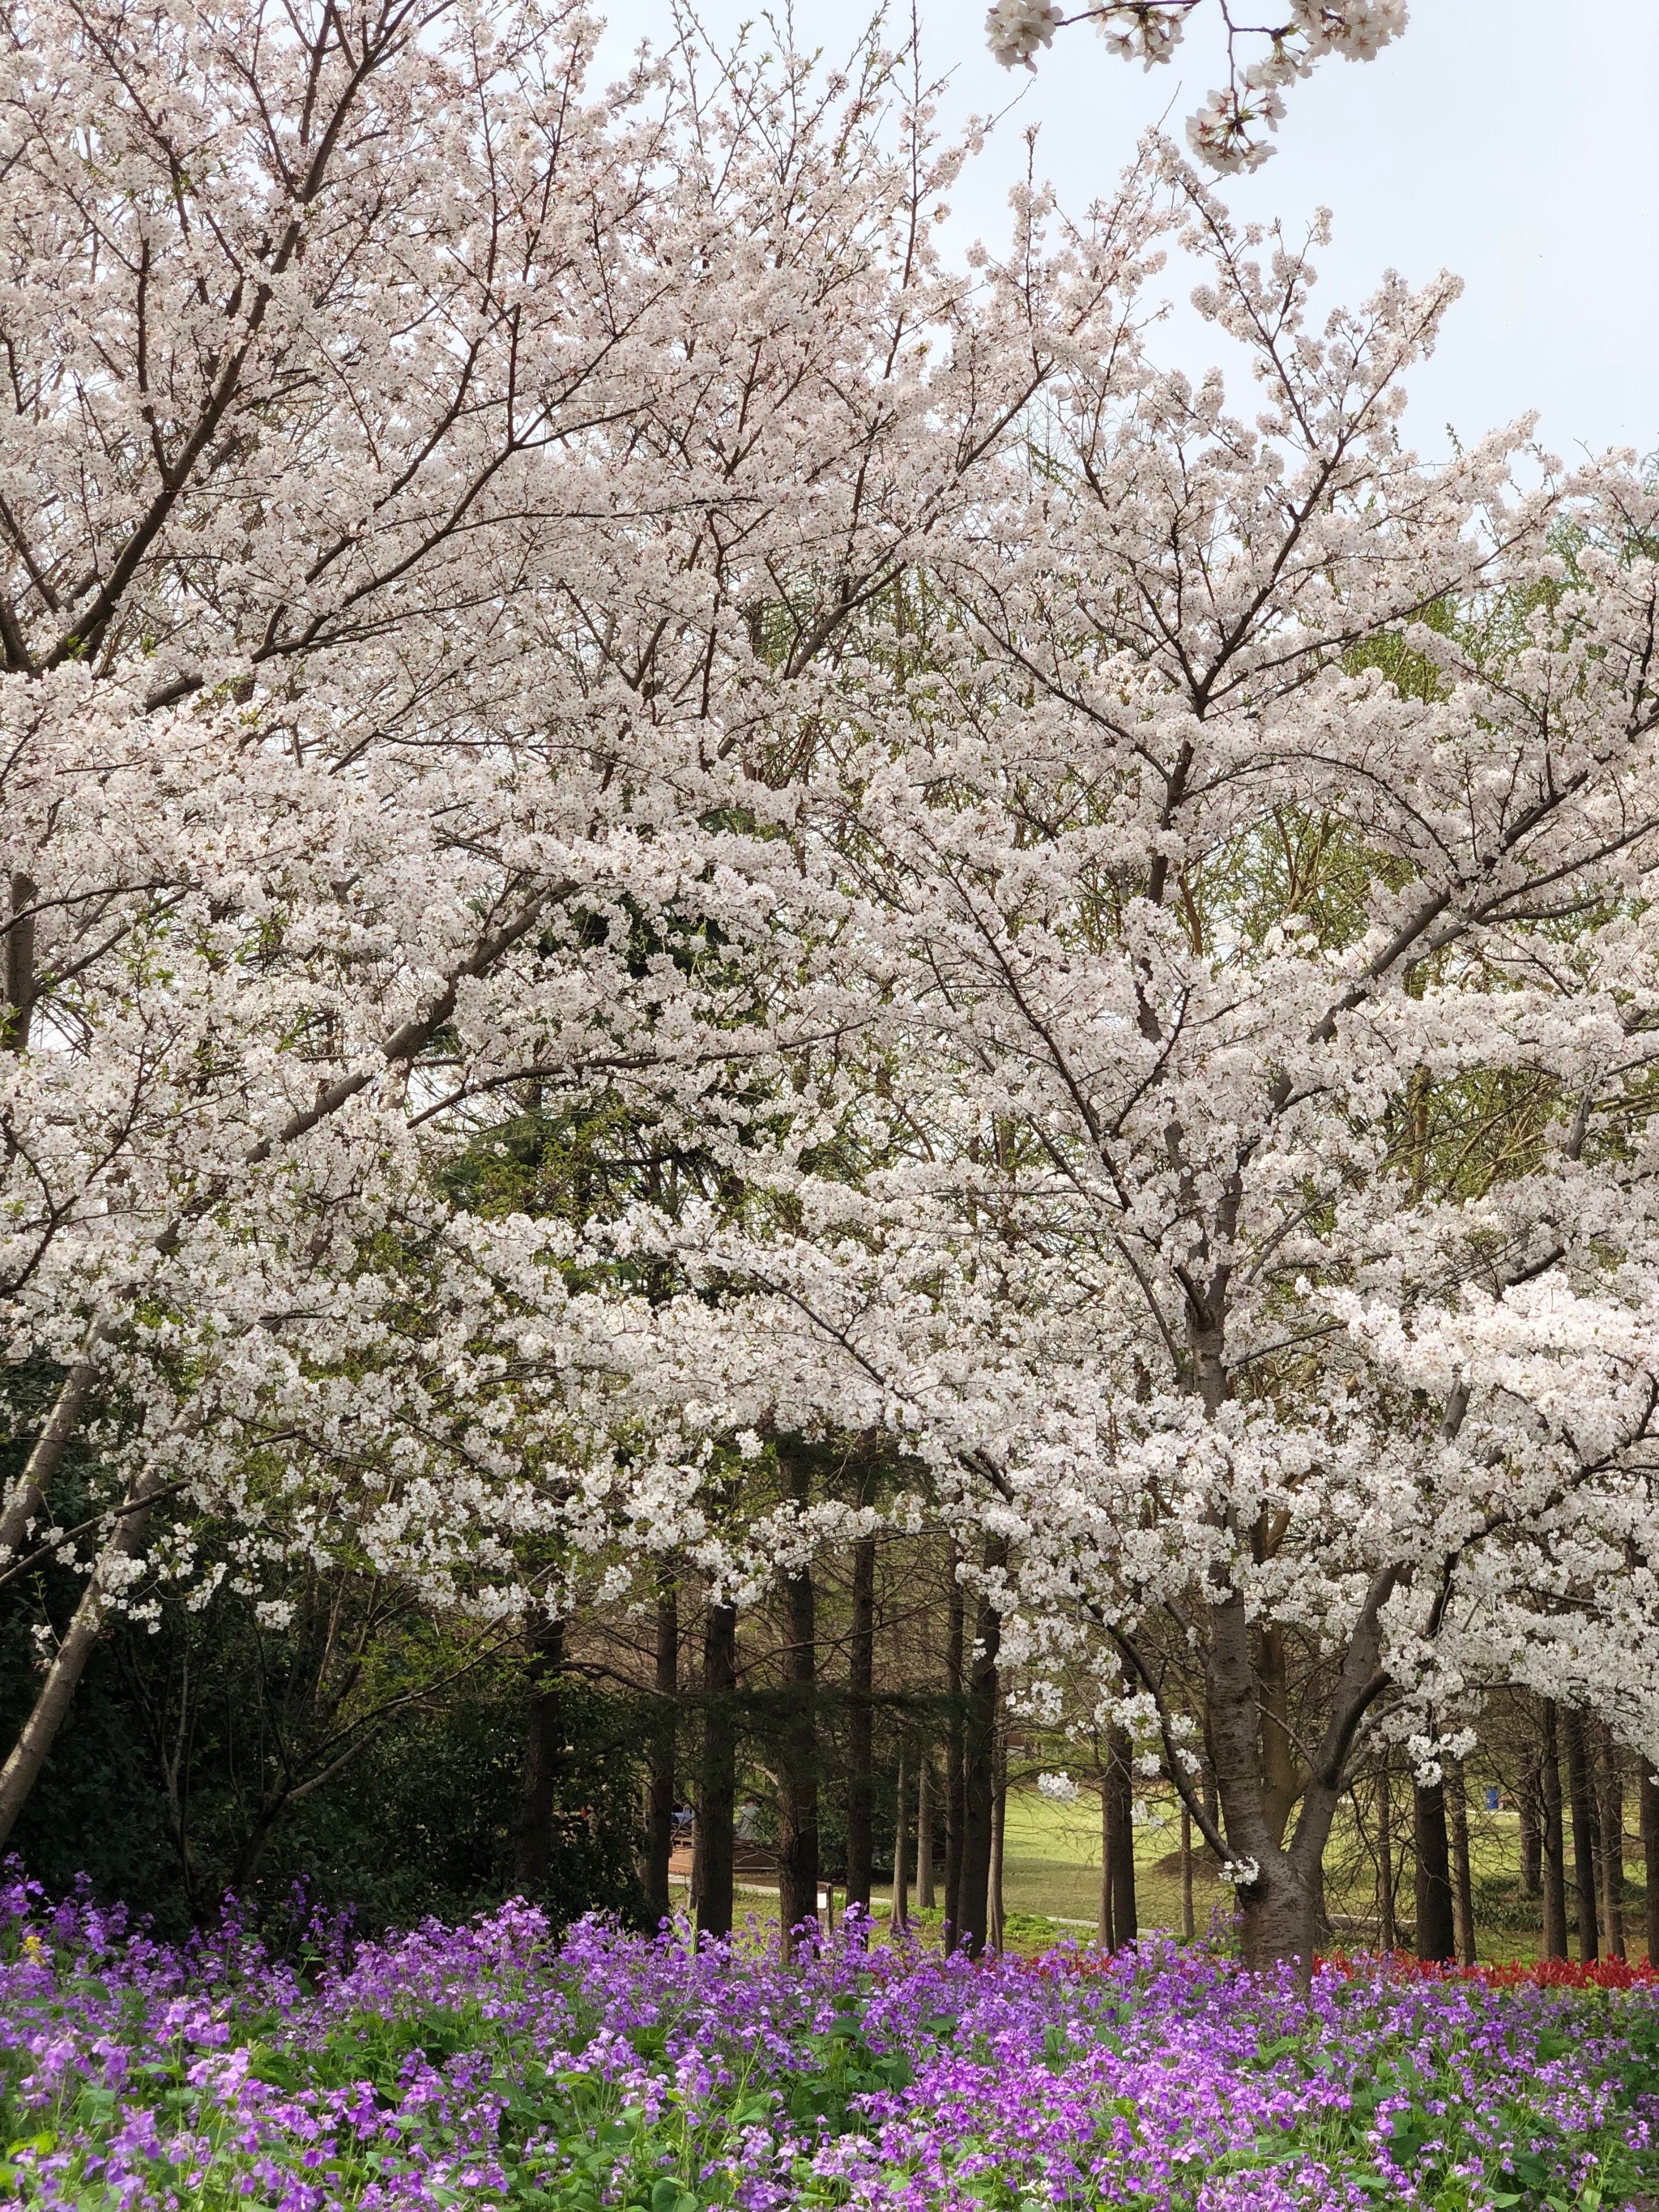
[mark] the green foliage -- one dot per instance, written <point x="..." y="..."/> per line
<point x="425" y="1822"/>
<point x="217" y="1754"/>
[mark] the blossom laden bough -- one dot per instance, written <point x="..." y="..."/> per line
<point x="1225" y="132"/>
<point x="1017" y="29"/>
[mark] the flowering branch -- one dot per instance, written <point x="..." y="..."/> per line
<point x="1225" y="132"/>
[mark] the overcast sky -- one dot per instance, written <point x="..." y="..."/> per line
<point x="1483" y="141"/>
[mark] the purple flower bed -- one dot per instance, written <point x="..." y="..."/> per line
<point x="489" y="2065"/>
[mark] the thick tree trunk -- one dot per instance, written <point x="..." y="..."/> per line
<point x="1610" y="1790"/>
<point x="926" y="1793"/>
<point x="1457" y="1821"/>
<point x="1582" y="1807"/>
<point x="955" y="1637"/>
<point x="659" y="1835"/>
<point x="1437" y="1937"/>
<point x="1388" y="1929"/>
<point x="1278" y="1758"/>
<point x="536" y="1842"/>
<point x="861" y="1687"/>
<point x="979" y="1766"/>
<point x="69" y="1662"/>
<point x="1278" y="1906"/>
<point x="1282" y="1913"/>
<point x="713" y="1875"/>
<point x="901" y="1917"/>
<point x="1279" y="1917"/>
<point x="1551" y="1841"/>
<point x="1649" y="1804"/>
<point x="798" y="1795"/>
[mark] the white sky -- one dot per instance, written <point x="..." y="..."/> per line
<point x="1514" y="140"/>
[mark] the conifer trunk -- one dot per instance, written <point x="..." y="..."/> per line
<point x="1551" y="1841"/>
<point x="1105" y="1933"/>
<point x="925" y="1792"/>
<point x="1121" y="1840"/>
<point x="979" y="1766"/>
<point x="997" y="1920"/>
<point x="1583" y="1808"/>
<point x="713" y="1874"/>
<point x="798" y="1795"/>
<point x="1648" y="1801"/>
<point x="659" y="1840"/>
<point x="1457" y="1821"/>
<point x="955" y="1638"/>
<point x="1610" y="1790"/>
<point x="1436" y="1934"/>
<point x="543" y="1761"/>
<point x="900" y="1916"/>
<point x="860" y="1684"/>
<point x="1528" y="1804"/>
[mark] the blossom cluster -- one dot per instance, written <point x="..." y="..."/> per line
<point x="1224" y="132"/>
<point x="490" y="2065"/>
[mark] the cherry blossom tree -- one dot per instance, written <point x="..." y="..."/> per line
<point x="422" y="477"/>
<point x="522" y="599"/>
<point x="1244" y="1199"/>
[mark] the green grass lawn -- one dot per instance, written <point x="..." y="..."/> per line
<point x="1051" y="1867"/>
<point x="1051" y="1863"/>
<point x="1051" y="1879"/>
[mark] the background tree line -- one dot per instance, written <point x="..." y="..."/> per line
<point x="847" y="1729"/>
